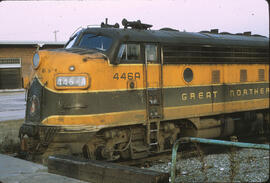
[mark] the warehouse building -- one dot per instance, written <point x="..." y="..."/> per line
<point x="16" y="61"/>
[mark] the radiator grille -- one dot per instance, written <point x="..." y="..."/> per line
<point x="215" y="76"/>
<point x="243" y="75"/>
<point x="261" y="74"/>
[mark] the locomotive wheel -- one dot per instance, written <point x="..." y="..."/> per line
<point x="124" y="153"/>
<point x="89" y="152"/>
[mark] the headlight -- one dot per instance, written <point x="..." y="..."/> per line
<point x="65" y="82"/>
<point x="36" y="60"/>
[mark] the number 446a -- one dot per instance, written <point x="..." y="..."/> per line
<point x="124" y="76"/>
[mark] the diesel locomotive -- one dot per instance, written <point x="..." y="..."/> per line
<point x="130" y="92"/>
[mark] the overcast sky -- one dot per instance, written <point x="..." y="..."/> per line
<point x="37" y="20"/>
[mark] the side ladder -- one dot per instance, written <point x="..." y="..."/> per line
<point x="154" y="107"/>
<point x="153" y="135"/>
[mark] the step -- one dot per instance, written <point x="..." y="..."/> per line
<point x="140" y="148"/>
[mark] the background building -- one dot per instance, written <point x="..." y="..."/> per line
<point x="16" y="61"/>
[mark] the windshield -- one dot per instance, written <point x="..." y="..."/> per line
<point x="92" y="41"/>
<point x="72" y="40"/>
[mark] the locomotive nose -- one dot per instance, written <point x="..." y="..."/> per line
<point x="64" y="70"/>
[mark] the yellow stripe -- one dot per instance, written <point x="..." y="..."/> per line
<point x="102" y="73"/>
<point x="108" y="119"/>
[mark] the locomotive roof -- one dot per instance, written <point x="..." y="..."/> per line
<point x="169" y="37"/>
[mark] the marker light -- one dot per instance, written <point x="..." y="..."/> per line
<point x="72" y="68"/>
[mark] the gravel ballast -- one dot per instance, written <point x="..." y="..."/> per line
<point x="243" y="165"/>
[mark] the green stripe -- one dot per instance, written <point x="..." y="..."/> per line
<point x="195" y="95"/>
<point x="118" y="101"/>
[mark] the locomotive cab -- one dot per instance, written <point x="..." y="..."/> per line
<point x="93" y="39"/>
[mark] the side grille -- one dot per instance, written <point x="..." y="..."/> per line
<point x="215" y="76"/>
<point x="261" y="75"/>
<point x="243" y="75"/>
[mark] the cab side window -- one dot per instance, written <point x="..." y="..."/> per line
<point x="129" y="53"/>
<point x="151" y="52"/>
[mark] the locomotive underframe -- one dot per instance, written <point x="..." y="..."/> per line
<point x="130" y="141"/>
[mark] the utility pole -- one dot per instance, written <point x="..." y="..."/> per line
<point x="55" y="35"/>
<point x="268" y="1"/>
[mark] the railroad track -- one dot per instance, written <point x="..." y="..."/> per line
<point x="192" y="150"/>
<point x="187" y="151"/>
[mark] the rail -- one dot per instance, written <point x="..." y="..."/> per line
<point x="209" y="141"/>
